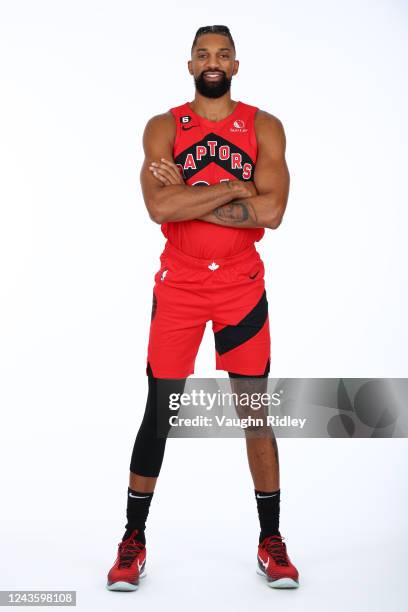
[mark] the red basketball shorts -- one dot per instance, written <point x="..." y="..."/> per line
<point x="188" y="292"/>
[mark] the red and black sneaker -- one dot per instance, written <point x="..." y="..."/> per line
<point x="129" y="565"/>
<point x="274" y="564"/>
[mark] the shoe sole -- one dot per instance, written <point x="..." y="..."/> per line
<point x="122" y="585"/>
<point x="281" y="583"/>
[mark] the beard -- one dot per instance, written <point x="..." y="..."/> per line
<point x="212" y="89"/>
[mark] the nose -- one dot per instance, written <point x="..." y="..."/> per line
<point x="213" y="64"/>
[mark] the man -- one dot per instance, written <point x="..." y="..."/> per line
<point x="214" y="177"/>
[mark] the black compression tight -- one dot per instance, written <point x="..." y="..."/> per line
<point x="150" y="443"/>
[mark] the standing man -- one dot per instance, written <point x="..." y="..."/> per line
<point x="214" y="177"/>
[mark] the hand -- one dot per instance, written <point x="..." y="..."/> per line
<point x="244" y="189"/>
<point x="250" y="185"/>
<point x="166" y="172"/>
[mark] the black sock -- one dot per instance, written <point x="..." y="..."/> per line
<point x="268" y="503"/>
<point x="138" y="505"/>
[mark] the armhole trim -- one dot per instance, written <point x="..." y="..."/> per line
<point x="254" y="140"/>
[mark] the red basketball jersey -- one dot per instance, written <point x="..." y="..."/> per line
<point x="209" y="152"/>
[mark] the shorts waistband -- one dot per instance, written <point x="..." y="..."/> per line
<point x="174" y="252"/>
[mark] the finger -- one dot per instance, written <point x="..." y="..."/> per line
<point x="168" y="162"/>
<point x="159" y="166"/>
<point x="165" y="162"/>
<point x="170" y="174"/>
<point x="165" y="171"/>
<point x="172" y="166"/>
<point x="160" y="177"/>
<point x="163" y="174"/>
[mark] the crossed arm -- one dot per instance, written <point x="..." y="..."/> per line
<point x="260" y="203"/>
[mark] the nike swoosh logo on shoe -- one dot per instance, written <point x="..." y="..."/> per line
<point x="265" y="564"/>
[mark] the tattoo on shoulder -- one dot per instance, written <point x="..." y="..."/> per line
<point x="237" y="212"/>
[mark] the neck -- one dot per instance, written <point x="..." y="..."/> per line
<point x="213" y="109"/>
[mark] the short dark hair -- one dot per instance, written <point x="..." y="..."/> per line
<point x="213" y="29"/>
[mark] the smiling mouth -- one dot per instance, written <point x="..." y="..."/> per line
<point x="213" y="76"/>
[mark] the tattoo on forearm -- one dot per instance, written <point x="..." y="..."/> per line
<point x="237" y="212"/>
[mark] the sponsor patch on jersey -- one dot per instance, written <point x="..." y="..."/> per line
<point x="238" y="126"/>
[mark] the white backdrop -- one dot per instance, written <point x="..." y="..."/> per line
<point x="79" y="80"/>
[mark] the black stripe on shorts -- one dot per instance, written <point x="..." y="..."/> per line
<point x="232" y="336"/>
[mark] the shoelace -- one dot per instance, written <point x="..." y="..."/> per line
<point x="128" y="551"/>
<point x="277" y="549"/>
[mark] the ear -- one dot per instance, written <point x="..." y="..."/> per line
<point x="236" y="66"/>
<point x="190" y="66"/>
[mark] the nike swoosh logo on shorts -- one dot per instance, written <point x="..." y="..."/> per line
<point x="254" y="276"/>
<point x="187" y="128"/>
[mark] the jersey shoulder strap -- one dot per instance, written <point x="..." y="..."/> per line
<point x="248" y="108"/>
<point x="180" y="110"/>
